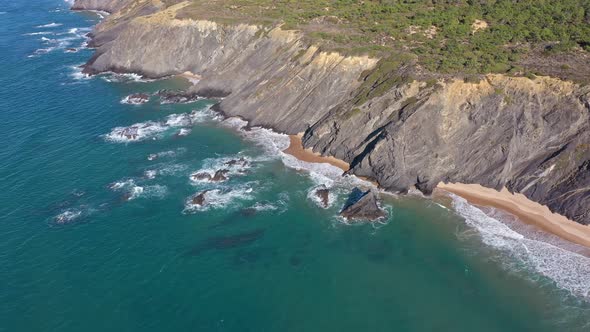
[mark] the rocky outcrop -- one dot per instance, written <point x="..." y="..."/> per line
<point x="530" y="136"/>
<point x="362" y="206"/>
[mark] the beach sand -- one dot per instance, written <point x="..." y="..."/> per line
<point x="189" y="76"/>
<point x="296" y="150"/>
<point x="524" y="209"/>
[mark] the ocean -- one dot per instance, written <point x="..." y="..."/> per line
<point x="98" y="232"/>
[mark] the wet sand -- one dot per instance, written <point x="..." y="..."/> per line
<point x="526" y="210"/>
<point x="296" y="150"/>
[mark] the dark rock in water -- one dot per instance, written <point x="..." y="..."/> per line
<point x="220" y="175"/>
<point x="227" y="242"/>
<point x="136" y="99"/>
<point x="240" y="162"/>
<point x="362" y="206"/>
<point x="200" y="198"/>
<point x="323" y="194"/>
<point x="176" y="97"/>
<point x="71" y="50"/>
<point x="201" y="176"/>
<point x="130" y="133"/>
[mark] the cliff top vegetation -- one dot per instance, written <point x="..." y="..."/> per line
<point x="522" y="37"/>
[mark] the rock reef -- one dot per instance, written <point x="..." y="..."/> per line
<point x="529" y="135"/>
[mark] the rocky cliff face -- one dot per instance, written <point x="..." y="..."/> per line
<point x="531" y="136"/>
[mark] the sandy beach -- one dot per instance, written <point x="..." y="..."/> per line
<point x="296" y="150"/>
<point x="517" y="204"/>
<point x="526" y="210"/>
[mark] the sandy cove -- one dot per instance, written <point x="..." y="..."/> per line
<point x="526" y="210"/>
<point x="516" y="204"/>
<point x="296" y="150"/>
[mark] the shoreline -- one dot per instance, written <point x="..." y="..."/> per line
<point x="296" y="150"/>
<point x="526" y="210"/>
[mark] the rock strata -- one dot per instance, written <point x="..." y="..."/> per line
<point x="531" y="136"/>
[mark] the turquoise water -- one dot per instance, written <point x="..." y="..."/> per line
<point x="95" y="237"/>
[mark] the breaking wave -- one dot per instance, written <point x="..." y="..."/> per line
<point x="222" y="197"/>
<point x="49" y="25"/>
<point x="154" y="130"/>
<point x="132" y="190"/>
<point x="568" y="270"/>
<point x="71" y="215"/>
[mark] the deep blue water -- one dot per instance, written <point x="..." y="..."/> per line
<point x="95" y="236"/>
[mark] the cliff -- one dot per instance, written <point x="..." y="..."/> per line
<point x="531" y="136"/>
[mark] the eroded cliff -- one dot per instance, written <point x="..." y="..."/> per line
<point x="531" y="136"/>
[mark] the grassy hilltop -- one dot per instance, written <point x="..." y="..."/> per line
<point x="523" y="37"/>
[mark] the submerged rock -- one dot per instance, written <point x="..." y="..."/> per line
<point x="323" y="194"/>
<point x="201" y="176"/>
<point x="362" y="206"/>
<point x="220" y="175"/>
<point x="237" y="162"/>
<point x="130" y="133"/>
<point x="199" y="200"/>
<point x="176" y="97"/>
<point x="136" y="99"/>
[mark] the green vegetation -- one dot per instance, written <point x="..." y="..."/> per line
<point x="446" y="36"/>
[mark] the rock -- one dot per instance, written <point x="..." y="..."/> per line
<point x="362" y="206"/>
<point x="200" y="198"/>
<point x="136" y="99"/>
<point x="71" y="50"/>
<point x="176" y="97"/>
<point x="323" y="194"/>
<point x="220" y="175"/>
<point x="130" y="133"/>
<point x="530" y="136"/>
<point x="241" y="162"/>
<point x="201" y="176"/>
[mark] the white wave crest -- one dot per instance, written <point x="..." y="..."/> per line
<point x="136" y="132"/>
<point x="133" y="191"/>
<point x="68" y="216"/>
<point x="235" y="165"/>
<point x="124" y="78"/>
<point x="49" y="25"/>
<point x="311" y="194"/>
<point x="567" y="269"/>
<point x="220" y="198"/>
<point x="39" y="33"/>
<point x="153" y="130"/>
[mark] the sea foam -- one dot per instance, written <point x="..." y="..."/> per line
<point x="569" y="270"/>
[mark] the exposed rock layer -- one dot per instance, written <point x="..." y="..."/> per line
<point x="531" y="136"/>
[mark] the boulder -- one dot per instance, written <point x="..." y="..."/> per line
<point x="176" y="97"/>
<point x="323" y="194"/>
<point x="362" y="206"/>
<point x="136" y="99"/>
<point x="199" y="199"/>
<point x="220" y="175"/>
<point x="201" y="176"/>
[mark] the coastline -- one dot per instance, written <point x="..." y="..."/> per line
<point x="296" y="150"/>
<point x="524" y="209"/>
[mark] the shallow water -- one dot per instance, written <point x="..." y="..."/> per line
<point x="96" y="236"/>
